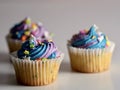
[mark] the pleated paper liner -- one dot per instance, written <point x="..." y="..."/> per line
<point x="36" y="73"/>
<point x="90" y="60"/>
<point x="13" y="45"/>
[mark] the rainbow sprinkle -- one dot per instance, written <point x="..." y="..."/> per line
<point x="86" y="30"/>
<point x="23" y="38"/>
<point x="27" y="33"/>
<point x="34" y="26"/>
<point x="32" y="45"/>
<point x="50" y="40"/>
<point x="108" y="43"/>
<point x="44" y="59"/>
<point x="28" y="21"/>
<point x="93" y="37"/>
<point x="26" y="52"/>
<point x="39" y="41"/>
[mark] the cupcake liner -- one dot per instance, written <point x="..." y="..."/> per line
<point x="13" y="44"/>
<point x="90" y="60"/>
<point x="36" y="73"/>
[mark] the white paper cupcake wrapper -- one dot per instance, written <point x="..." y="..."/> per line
<point x="36" y="73"/>
<point x="90" y="60"/>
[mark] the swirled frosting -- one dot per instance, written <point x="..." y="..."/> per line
<point x="90" y="39"/>
<point x="21" y="31"/>
<point x="25" y="28"/>
<point x="37" y="50"/>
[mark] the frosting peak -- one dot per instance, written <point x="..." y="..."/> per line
<point x="90" y="39"/>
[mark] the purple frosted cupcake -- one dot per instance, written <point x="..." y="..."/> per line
<point x="22" y="31"/>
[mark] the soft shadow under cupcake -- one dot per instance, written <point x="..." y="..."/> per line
<point x="4" y="57"/>
<point x="7" y="79"/>
<point x="65" y="67"/>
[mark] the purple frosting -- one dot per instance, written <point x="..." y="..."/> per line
<point x="35" y="49"/>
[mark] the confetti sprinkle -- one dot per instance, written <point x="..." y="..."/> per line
<point x="39" y="42"/>
<point x="31" y="37"/>
<point x="46" y="34"/>
<point x="82" y="32"/>
<point x="86" y="30"/>
<point x="49" y="40"/>
<point x="28" y="21"/>
<point x="26" y="52"/>
<point x="34" y="26"/>
<point x="100" y="38"/>
<point x="108" y="43"/>
<point x="32" y="45"/>
<point x="95" y="27"/>
<point x="24" y="38"/>
<point x="44" y="59"/>
<point x="27" y="33"/>
<point x="99" y="33"/>
<point x="93" y="37"/>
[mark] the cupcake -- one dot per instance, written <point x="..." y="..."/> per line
<point x="37" y="63"/>
<point x="22" y="31"/>
<point x="90" y="51"/>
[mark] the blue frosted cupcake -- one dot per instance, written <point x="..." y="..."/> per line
<point x="37" y="62"/>
<point x="90" y="51"/>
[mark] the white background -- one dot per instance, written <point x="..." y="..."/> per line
<point x="64" y="18"/>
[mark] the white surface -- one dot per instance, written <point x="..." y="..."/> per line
<point x="64" y="18"/>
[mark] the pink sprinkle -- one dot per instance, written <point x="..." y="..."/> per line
<point x="82" y="32"/>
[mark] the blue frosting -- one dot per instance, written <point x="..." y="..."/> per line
<point x="86" y="41"/>
<point x="47" y="50"/>
<point x="19" y="30"/>
<point x="16" y="34"/>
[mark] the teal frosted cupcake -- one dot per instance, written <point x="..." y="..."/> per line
<point x="37" y="63"/>
<point x="90" y="51"/>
